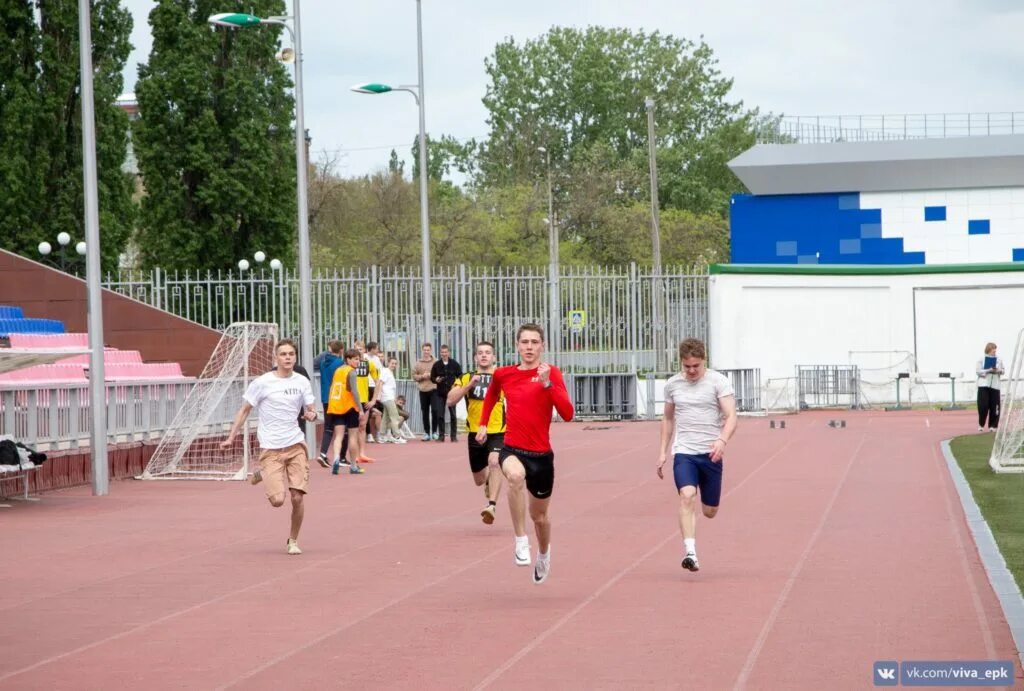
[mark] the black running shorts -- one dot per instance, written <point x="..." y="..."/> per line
<point x="540" y="469"/>
<point x="478" y="453"/>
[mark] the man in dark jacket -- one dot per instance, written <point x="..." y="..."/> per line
<point x="444" y="373"/>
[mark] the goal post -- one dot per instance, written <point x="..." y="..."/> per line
<point x="1008" y="448"/>
<point x="190" y="448"/>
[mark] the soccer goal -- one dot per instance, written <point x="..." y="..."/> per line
<point x="190" y="448"/>
<point x="1008" y="449"/>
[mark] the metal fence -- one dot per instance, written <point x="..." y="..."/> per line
<point x="606" y="320"/>
<point x="828" y="386"/>
<point x="817" y="129"/>
<point x="61" y="418"/>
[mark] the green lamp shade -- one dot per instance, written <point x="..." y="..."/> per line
<point x="371" y="88"/>
<point x="233" y="20"/>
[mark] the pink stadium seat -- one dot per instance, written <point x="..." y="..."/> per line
<point x="136" y="370"/>
<point x="111" y="356"/>
<point x="67" y="340"/>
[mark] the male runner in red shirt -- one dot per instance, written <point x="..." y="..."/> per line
<point x="532" y="389"/>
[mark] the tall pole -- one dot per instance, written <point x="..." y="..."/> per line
<point x="302" y="171"/>
<point x="553" y="302"/>
<point x="97" y="397"/>
<point x="428" y="298"/>
<point x="658" y="319"/>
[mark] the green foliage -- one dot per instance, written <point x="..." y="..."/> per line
<point x="573" y="91"/>
<point x="579" y="93"/>
<point x="215" y="144"/>
<point x="375" y="220"/>
<point x="41" y="126"/>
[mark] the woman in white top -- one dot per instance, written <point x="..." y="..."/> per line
<point x="989" y="369"/>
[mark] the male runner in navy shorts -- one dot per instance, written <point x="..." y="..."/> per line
<point x="699" y="419"/>
<point x="532" y="390"/>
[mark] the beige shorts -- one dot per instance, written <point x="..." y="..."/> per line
<point x="284" y="469"/>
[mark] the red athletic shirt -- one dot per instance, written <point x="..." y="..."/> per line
<point x="528" y="406"/>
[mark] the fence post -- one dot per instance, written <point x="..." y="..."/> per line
<point x="651" y="403"/>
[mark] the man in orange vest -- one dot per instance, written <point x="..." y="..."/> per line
<point x="345" y="407"/>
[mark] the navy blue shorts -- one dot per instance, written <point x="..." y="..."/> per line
<point x="698" y="470"/>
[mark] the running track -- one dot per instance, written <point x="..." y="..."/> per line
<point x="833" y="548"/>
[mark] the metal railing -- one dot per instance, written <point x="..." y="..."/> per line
<point x="607" y="315"/>
<point x="818" y="129"/>
<point x="60" y="417"/>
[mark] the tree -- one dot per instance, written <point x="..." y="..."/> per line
<point x="215" y="142"/>
<point x="21" y="163"/>
<point x="42" y="126"/>
<point x="572" y="90"/>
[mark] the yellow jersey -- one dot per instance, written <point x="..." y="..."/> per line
<point x="475" y="404"/>
<point x="340" y="400"/>
<point x="364" y="371"/>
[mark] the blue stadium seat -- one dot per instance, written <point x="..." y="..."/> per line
<point x="9" y="312"/>
<point x="30" y="326"/>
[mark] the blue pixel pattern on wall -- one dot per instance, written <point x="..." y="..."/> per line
<point x="812" y="229"/>
<point x="925" y="227"/>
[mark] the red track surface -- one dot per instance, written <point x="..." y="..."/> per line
<point x="834" y="548"/>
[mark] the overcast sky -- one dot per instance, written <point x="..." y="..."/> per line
<point x="797" y="57"/>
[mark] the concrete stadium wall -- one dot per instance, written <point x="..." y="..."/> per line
<point x="880" y="319"/>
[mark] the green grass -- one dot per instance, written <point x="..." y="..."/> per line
<point x="1000" y="498"/>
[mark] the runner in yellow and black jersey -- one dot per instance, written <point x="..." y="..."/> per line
<point x="483" y="458"/>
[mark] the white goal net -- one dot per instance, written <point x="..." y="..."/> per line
<point x="1008" y="448"/>
<point x="190" y="448"/>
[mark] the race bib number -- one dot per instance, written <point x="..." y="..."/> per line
<point x="479" y="390"/>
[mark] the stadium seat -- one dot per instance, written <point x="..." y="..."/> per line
<point x="49" y="341"/>
<point x="9" y="312"/>
<point x="111" y="356"/>
<point x="15" y="326"/>
<point x="142" y="371"/>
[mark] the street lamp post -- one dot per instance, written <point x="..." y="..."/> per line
<point x="237" y="20"/>
<point x="658" y="320"/>
<point x="417" y="92"/>
<point x="554" y="307"/>
<point x="94" y="289"/>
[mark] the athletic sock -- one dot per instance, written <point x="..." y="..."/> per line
<point x="492" y="503"/>
<point x="690" y="544"/>
<point x="544" y="557"/>
<point x="522" y="539"/>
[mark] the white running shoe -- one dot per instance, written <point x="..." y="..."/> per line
<point x="542" y="568"/>
<point x="522" y="553"/>
<point x="690" y="562"/>
<point x="370" y="439"/>
<point x="293" y="546"/>
<point x="398" y="440"/>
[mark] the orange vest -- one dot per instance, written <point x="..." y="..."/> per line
<point x="341" y="399"/>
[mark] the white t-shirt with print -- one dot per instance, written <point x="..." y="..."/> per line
<point x="388" y="385"/>
<point x="698" y="417"/>
<point x="278" y="402"/>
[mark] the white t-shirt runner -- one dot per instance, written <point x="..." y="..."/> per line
<point x="698" y="417"/>
<point x="278" y="402"/>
